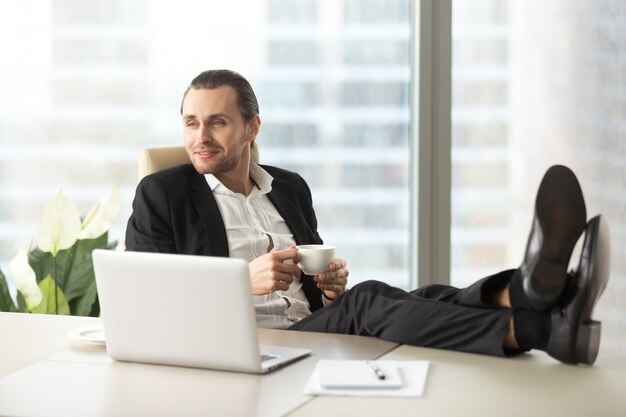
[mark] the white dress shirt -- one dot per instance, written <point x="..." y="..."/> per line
<point x="254" y="227"/>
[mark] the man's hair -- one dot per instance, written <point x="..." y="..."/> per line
<point x="246" y="99"/>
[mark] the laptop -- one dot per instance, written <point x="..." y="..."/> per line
<point x="183" y="310"/>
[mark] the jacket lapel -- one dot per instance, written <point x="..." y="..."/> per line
<point x="302" y="235"/>
<point x="209" y="212"/>
<point x="297" y="225"/>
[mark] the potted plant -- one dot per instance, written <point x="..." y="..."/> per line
<point x="57" y="277"/>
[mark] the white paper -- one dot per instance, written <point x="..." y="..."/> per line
<point x="358" y="374"/>
<point x="412" y="373"/>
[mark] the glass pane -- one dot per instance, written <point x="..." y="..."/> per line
<point x="535" y="84"/>
<point x="93" y="81"/>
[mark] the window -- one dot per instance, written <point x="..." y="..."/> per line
<point x="536" y="84"/>
<point x="101" y="79"/>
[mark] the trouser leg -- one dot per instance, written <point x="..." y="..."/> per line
<point x="436" y="316"/>
<point x="472" y="296"/>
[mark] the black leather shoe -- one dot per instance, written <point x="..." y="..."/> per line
<point x="560" y="217"/>
<point x="575" y="337"/>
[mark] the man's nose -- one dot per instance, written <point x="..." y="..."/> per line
<point x="204" y="134"/>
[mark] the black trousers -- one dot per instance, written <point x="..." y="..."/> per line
<point x="438" y="316"/>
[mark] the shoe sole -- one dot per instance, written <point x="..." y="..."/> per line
<point x="561" y="214"/>
<point x="589" y="331"/>
<point x="576" y="338"/>
<point x="588" y="342"/>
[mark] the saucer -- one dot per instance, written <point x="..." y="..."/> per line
<point x="93" y="335"/>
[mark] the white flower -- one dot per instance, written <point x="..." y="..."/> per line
<point x="25" y="280"/>
<point x="59" y="226"/>
<point x="101" y="216"/>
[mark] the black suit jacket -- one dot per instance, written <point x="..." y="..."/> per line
<point x="174" y="211"/>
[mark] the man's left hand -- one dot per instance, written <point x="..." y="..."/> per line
<point x="333" y="282"/>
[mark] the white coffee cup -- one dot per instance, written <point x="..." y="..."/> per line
<point x="315" y="258"/>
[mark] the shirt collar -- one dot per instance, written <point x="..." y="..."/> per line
<point x="260" y="176"/>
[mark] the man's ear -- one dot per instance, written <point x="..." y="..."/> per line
<point x="254" y="126"/>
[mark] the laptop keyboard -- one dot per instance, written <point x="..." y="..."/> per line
<point x="267" y="357"/>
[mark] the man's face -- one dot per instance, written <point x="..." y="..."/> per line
<point x="214" y="130"/>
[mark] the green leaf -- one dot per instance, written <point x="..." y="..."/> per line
<point x="21" y="304"/>
<point x="41" y="262"/>
<point x="49" y="302"/>
<point x="83" y="306"/>
<point x="88" y="304"/>
<point x="95" y="308"/>
<point x="6" y="302"/>
<point x="74" y="266"/>
<point x="78" y="275"/>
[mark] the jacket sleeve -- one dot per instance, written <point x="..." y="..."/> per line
<point x="149" y="227"/>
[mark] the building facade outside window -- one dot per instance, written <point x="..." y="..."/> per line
<point x="535" y="84"/>
<point x="90" y="82"/>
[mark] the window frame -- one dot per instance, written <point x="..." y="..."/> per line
<point x="431" y="165"/>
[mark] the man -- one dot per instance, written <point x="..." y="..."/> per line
<point x="224" y="205"/>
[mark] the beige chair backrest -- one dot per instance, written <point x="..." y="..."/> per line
<point x="156" y="159"/>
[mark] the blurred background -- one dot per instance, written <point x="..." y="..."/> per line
<point x="84" y="84"/>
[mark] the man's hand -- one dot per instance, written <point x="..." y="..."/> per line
<point x="333" y="282"/>
<point x="271" y="272"/>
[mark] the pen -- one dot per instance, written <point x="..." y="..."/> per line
<point x="376" y="369"/>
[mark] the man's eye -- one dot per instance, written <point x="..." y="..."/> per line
<point x="191" y="124"/>
<point x="217" y="123"/>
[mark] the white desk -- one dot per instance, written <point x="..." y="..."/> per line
<point x="460" y="384"/>
<point x="57" y="376"/>
<point x="81" y="380"/>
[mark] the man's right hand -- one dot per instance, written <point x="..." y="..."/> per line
<point x="271" y="272"/>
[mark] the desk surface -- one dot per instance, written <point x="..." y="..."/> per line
<point x="46" y="373"/>
<point x="461" y="384"/>
<point x="68" y="378"/>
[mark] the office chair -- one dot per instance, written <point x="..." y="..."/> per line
<point x="156" y="159"/>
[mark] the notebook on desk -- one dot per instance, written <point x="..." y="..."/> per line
<point x="183" y="310"/>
